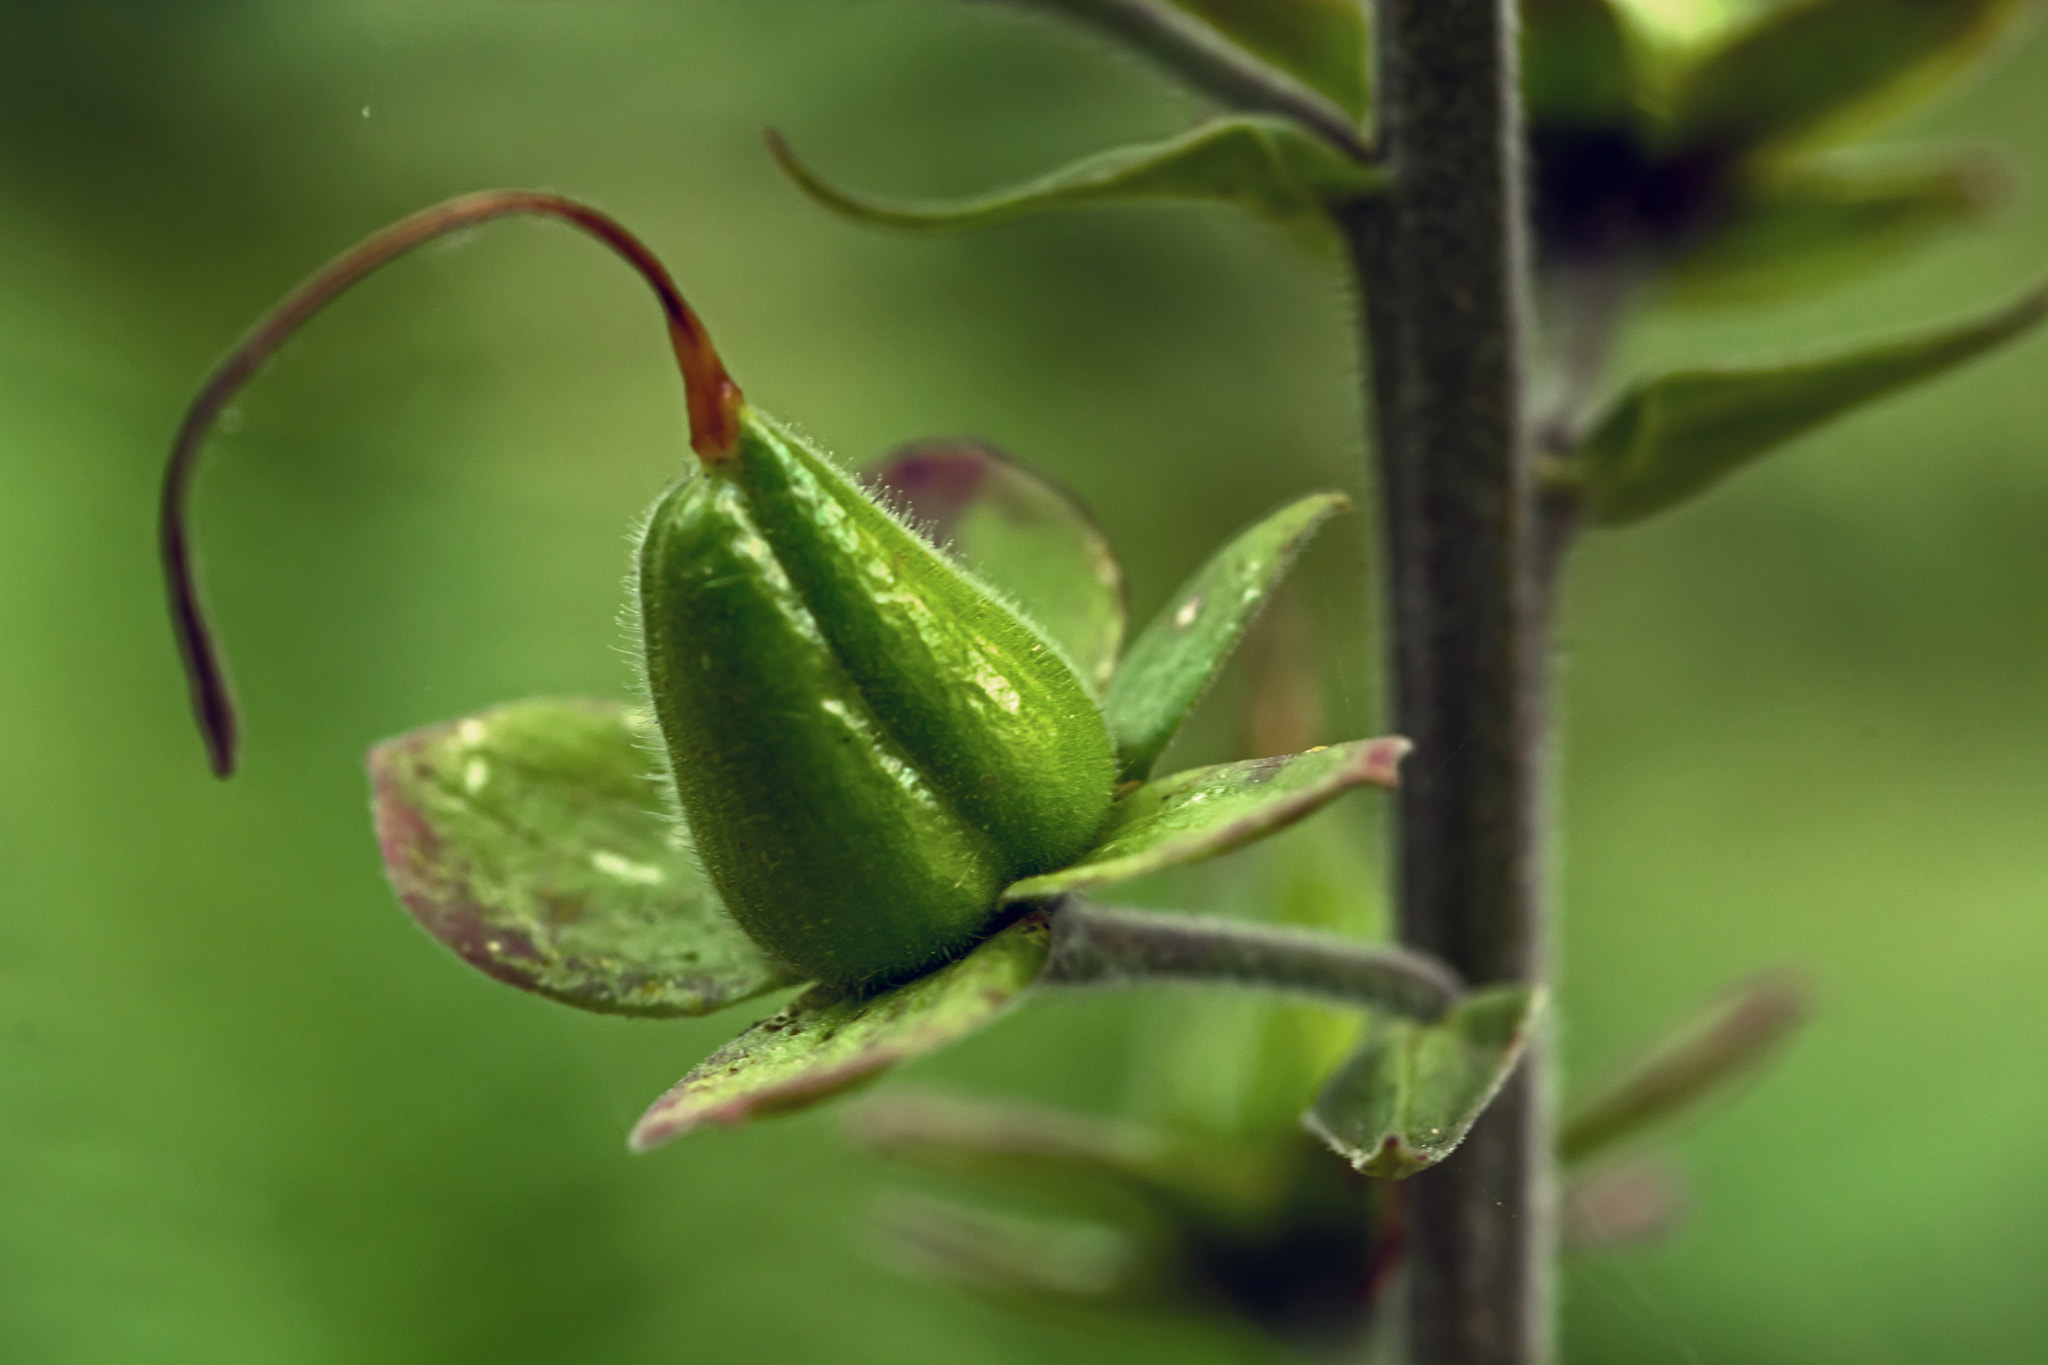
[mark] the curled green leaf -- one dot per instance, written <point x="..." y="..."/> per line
<point x="1673" y="436"/>
<point x="1171" y="664"/>
<point x="1202" y="812"/>
<point x="1321" y="43"/>
<point x="534" y="841"/>
<point x="1810" y="67"/>
<point x="1407" y="1097"/>
<point x="1818" y="224"/>
<point x="1723" y="1043"/>
<point x="831" y="1040"/>
<point x="1023" y="534"/>
<point x="1267" y="166"/>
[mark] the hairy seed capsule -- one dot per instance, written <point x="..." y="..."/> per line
<point x="867" y="746"/>
<point x="987" y="706"/>
<point x="827" y="844"/>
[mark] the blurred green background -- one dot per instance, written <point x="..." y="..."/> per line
<point x="249" y="1113"/>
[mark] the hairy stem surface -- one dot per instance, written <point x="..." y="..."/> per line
<point x="1193" y="51"/>
<point x="1442" y="264"/>
<point x="1099" y="945"/>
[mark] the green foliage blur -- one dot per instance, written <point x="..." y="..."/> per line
<point x="248" y="1112"/>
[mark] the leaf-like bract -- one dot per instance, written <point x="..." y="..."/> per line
<point x="1721" y="1044"/>
<point x="1408" y="1096"/>
<point x="1171" y="664"/>
<point x="1265" y="165"/>
<point x="1022" y="534"/>
<point x="1672" y="436"/>
<point x="831" y="1040"/>
<point x="1202" y="812"/>
<point x="534" y="841"/>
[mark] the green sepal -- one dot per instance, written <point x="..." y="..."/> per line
<point x="1578" y="65"/>
<point x="1321" y="43"/>
<point x="832" y="1040"/>
<point x="1171" y="664"/>
<point x="1022" y="534"/>
<point x="1407" y="1097"/>
<point x="1202" y="812"/>
<point x="1671" y="437"/>
<point x="1267" y="166"/>
<point x="1702" y="1055"/>
<point x="1811" y="68"/>
<point x="533" y="841"/>
<point x="1816" y="224"/>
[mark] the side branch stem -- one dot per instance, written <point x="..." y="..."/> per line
<point x="1098" y="945"/>
<point x="1441" y="262"/>
<point x="1220" y="69"/>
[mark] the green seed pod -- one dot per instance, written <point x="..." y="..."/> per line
<point x="829" y="846"/>
<point x="988" y="707"/>
<point x="867" y="744"/>
<point x="805" y="649"/>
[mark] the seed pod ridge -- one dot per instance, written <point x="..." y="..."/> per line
<point x="987" y="704"/>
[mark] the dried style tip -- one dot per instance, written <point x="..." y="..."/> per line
<point x="714" y="401"/>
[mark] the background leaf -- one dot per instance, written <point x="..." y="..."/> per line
<point x="533" y="840"/>
<point x="1076" y="1162"/>
<point x="1675" y="435"/>
<point x="1024" y="534"/>
<point x="1037" y="1265"/>
<point x="1721" y="1044"/>
<point x="1202" y="812"/>
<point x="1172" y="663"/>
<point x="1814" y="225"/>
<point x="828" y="1041"/>
<point x="1266" y="166"/>
<point x="1808" y="67"/>
<point x="1274" y="1235"/>
<point x="1322" y="43"/>
<point x="1408" y="1096"/>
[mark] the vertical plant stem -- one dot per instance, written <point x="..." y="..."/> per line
<point x="1441" y="261"/>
